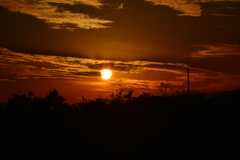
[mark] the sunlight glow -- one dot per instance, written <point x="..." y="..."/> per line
<point x="106" y="74"/>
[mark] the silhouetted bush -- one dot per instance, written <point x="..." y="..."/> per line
<point x="122" y="124"/>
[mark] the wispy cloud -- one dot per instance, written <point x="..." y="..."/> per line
<point x="142" y="76"/>
<point x="147" y="85"/>
<point x="217" y="51"/>
<point x="25" y="65"/>
<point x="58" y="20"/>
<point x="186" y="7"/>
<point x="223" y="15"/>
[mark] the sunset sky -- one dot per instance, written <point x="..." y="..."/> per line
<point x="64" y="44"/>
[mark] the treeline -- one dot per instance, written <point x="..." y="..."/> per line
<point x="173" y="126"/>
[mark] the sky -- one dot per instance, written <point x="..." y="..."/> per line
<point x="148" y="44"/>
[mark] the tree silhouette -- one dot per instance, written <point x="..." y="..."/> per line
<point x="53" y="100"/>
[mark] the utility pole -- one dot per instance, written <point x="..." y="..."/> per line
<point x="188" y="81"/>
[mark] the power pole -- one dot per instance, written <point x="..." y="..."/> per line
<point x="188" y="81"/>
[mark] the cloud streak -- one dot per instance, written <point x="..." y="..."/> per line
<point x="24" y="65"/>
<point x="186" y="7"/>
<point x="58" y="20"/>
<point x="217" y="51"/>
<point x="137" y="75"/>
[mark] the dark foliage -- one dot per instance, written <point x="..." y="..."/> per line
<point x="177" y="126"/>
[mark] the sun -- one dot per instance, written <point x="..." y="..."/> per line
<point x="106" y="74"/>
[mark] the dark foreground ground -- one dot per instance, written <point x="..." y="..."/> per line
<point x="180" y="126"/>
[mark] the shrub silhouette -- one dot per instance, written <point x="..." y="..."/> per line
<point x="20" y="101"/>
<point x="123" y="125"/>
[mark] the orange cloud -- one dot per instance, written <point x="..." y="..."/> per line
<point x="217" y="51"/>
<point x="142" y="76"/>
<point x="19" y="65"/>
<point x="67" y="20"/>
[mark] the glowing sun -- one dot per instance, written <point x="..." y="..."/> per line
<point x="106" y="74"/>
